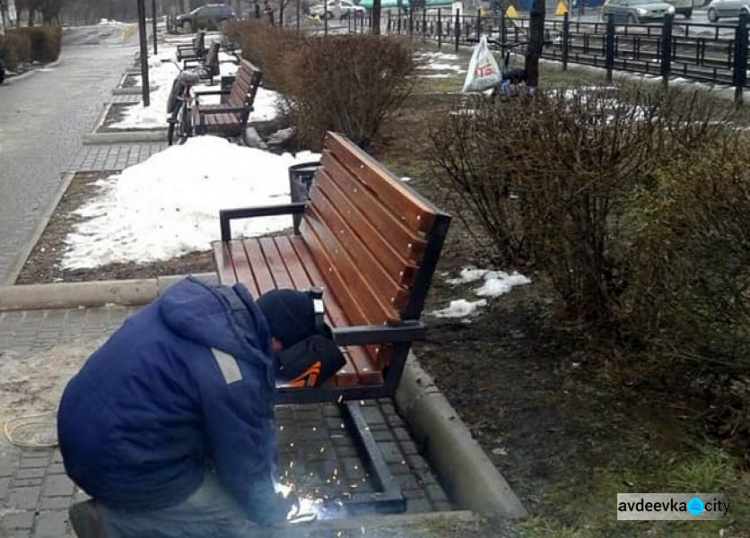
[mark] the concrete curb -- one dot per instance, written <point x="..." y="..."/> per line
<point x="368" y="522"/>
<point x="135" y="90"/>
<point x="23" y="255"/>
<point x="88" y="294"/>
<point x="468" y="475"/>
<point x="155" y="135"/>
<point x="30" y="72"/>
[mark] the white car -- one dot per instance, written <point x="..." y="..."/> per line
<point x="345" y="7"/>
<point x="727" y="9"/>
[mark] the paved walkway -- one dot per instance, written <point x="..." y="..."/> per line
<point x="35" y="493"/>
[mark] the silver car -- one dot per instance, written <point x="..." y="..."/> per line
<point x="636" y="11"/>
<point x="727" y="9"/>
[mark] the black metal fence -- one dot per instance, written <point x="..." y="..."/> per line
<point x="711" y="53"/>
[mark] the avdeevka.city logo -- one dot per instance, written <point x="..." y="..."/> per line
<point x="671" y="506"/>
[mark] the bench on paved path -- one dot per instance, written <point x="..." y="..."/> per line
<point x="196" y="49"/>
<point x="229" y="119"/>
<point x="372" y="244"/>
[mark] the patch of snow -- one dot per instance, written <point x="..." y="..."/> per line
<point x="497" y="283"/>
<point x="459" y="308"/>
<point x="437" y="75"/>
<point x="466" y="275"/>
<point x="169" y="205"/>
<point x="441" y="67"/>
<point x="437" y="56"/>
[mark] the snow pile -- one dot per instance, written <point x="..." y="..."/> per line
<point x="169" y="205"/>
<point x="438" y="61"/>
<point x="495" y="283"/>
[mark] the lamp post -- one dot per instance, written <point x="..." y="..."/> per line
<point x="144" y="53"/>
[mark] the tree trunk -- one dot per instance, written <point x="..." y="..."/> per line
<point x="376" y="17"/>
<point x="536" y="41"/>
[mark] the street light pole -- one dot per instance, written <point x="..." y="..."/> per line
<point x="144" y="53"/>
<point x="153" y="16"/>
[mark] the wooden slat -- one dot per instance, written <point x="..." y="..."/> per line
<point x="374" y="307"/>
<point x="338" y="315"/>
<point x="416" y="213"/>
<point x="408" y="243"/>
<point x="400" y="265"/>
<point x="356" y="357"/>
<point x="242" y="267"/>
<point x="223" y="262"/>
<point x="275" y="264"/>
<point x="263" y="277"/>
<point x="350" y="254"/>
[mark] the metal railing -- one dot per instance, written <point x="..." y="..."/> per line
<point x="710" y="53"/>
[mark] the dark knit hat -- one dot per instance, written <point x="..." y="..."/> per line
<point x="290" y="315"/>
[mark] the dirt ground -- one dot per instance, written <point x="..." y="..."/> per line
<point x="43" y="264"/>
<point x="566" y="419"/>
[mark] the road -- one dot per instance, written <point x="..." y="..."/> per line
<point x="42" y="121"/>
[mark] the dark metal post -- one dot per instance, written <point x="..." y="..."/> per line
<point x="457" y="33"/>
<point x="424" y="22"/>
<point x="398" y="23"/>
<point x="389" y="22"/>
<point x="479" y="24"/>
<point x="299" y="14"/>
<point x="325" y="19"/>
<point x="566" y="39"/>
<point x="153" y="14"/>
<point x="144" y="53"/>
<point x="440" y="28"/>
<point x="609" y="47"/>
<point x="503" y="29"/>
<point x="666" y="50"/>
<point x="411" y="22"/>
<point x="740" y="57"/>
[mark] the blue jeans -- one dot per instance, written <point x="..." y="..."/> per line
<point x="208" y="512"/>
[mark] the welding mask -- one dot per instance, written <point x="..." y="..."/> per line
<point x="316" y="358"/>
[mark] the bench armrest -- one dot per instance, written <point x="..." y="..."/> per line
<point x="222" y="110"/>
<point x="379" y="334"/>
<point x="213" y="92"/>
<point x="226" y="215"/>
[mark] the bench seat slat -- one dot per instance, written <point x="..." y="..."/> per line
<point x="224" y="264"/>
<point x="241" y="267"/>
<point x="263" y="278"/>
<point x="416" y="213"/>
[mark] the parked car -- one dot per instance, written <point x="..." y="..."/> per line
<point x="682" y="7"/>
<point x="347" y="8"/>
<point x="636" y="11"/>
<point x="727" y="9"/>
<point x="205" y="16"/>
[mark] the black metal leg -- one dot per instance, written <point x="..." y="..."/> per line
<point x="389" y="499"/>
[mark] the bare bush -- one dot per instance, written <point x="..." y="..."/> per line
<point x="549" y="177"/>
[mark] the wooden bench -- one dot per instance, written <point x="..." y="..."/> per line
<point x="229" y="119"/>
<point x="196" y="49"/>
<point x="209" y="66"/>
<point x="371" y="242"/>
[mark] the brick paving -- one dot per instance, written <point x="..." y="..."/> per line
<point x="35" y="493"/>
<point x="101" y="157"/>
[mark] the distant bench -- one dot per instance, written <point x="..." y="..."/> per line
<point x="229" y="119"/>
<point x="371" y="242"/>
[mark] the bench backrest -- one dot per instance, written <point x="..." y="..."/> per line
<point x="212" y="59"/>
<point x="376" y="240"/>
<point x="244" y="88"/>
<point x="199" y="43"/>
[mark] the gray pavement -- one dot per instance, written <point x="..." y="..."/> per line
<point x="42" y="121"/>
<point x="35" y="493"/>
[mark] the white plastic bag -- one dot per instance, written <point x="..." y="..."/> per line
<point x="483" y="71"/>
